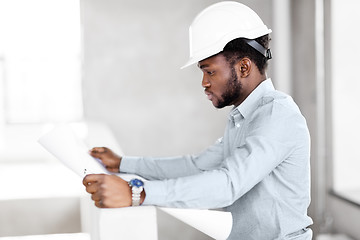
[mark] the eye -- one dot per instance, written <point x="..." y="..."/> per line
<point x="210" y="72"/>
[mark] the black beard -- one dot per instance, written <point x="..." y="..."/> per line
<point x="232" y="91"/>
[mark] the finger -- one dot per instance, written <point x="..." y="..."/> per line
<point x="96" y="197"/>
<point x="92" y="188"/>
<point x="100" y="204"/>
<point x="92" y="178"/>
<point x="98" y="150"/>
<point x="112" y="169"/>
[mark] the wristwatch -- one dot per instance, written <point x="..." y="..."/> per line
<point x="137" y="186"/>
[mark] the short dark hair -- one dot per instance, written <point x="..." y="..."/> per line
<point x="238" y="48"/>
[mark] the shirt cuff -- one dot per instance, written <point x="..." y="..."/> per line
<point x="155" y="193"/>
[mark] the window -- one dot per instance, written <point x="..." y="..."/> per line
<point x="40" y="61"/>
<point x="40" y="65"/>
<point x="346" y="96"/>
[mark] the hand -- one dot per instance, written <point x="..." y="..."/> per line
<point x="108" y="191"/>
<point x="109" y="158"/>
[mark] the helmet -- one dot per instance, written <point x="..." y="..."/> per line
<point x="220" y="23"/>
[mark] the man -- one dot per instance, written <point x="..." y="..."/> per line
<point x="259" y="170"/>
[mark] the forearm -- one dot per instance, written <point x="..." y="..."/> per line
<point x="196" y="191"/>
<point x="174" y="167"/>
<point x="159" y="168"/>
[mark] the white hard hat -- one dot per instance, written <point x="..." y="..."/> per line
<point x="220" y="23"/>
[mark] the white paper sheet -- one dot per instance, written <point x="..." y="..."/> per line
<point x="63" y="143"/>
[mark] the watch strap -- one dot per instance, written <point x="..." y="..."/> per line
<point x="136" y="195"/>
<point x="136" y="186"/>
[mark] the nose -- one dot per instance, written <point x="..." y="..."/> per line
<point x="205" y="83"/>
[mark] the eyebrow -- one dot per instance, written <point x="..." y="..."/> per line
<point x="203" y="65"/>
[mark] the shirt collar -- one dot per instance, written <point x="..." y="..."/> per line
<point x="252" y="101"/>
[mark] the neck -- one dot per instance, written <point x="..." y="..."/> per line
<point x="249" y="84"/>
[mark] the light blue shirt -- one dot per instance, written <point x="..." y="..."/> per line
<point x="259" y="170"/>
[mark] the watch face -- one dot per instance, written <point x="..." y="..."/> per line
<point x="136" y="182"/>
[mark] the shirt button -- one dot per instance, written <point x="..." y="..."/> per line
<point x="238" y="125"/>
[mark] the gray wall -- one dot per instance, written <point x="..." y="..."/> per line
<point x="131" y="78"/>
<point x="305" y="92"/>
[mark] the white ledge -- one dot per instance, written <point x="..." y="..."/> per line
<point x="138" y="222"/>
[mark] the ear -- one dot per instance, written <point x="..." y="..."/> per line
<point x="244" y="67"/>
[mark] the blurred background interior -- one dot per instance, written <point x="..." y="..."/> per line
<point x="112" y="69"/>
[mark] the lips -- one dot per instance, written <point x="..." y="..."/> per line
<point x="209" y="95"/>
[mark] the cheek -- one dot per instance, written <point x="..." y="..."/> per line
<point x="220" y="84"/>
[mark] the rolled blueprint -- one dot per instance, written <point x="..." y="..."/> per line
<point x="63" y="143"/>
